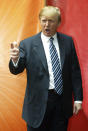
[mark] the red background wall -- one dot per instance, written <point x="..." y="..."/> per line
<point x="74" y="23"/>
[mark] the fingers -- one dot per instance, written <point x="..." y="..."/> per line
<point x="75" y="111"/>
<point x="14" y="51"/>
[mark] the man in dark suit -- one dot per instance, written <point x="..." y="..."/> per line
<point x="53" y="74"/>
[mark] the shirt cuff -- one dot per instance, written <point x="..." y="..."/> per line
<point x="78" y="102"/>
<point x="15" y="64"/>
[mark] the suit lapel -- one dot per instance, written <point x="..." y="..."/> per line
<point x="62" y="49"/>
<point x="40" y="51"/>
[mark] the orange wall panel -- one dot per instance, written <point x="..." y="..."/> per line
<point x="18" y="20"/>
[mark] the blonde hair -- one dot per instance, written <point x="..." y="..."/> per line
<point x="49" y="11"/>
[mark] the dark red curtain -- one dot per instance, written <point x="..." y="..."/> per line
<point x="74" y="23"/>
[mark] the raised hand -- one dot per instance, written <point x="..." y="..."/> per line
<point x="14" y="51"/>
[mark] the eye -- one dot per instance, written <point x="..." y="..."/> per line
<point x="44" y="21"/>
<point x="51" y="21"/>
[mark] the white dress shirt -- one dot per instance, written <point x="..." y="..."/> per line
<point x="46" y="44"/>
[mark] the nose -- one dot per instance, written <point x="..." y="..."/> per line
<point x="47" y="23"/>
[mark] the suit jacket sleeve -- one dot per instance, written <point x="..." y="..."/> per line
<point x="76" y="76"/>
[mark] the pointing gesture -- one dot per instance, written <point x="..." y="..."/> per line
<point x="14" y="51"/>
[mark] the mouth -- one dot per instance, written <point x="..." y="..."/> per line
<point x="47" y="30"/>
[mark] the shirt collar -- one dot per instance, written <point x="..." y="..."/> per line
<point x="46" y="38"/>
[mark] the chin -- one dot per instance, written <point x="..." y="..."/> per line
<point x="48" y="35"/>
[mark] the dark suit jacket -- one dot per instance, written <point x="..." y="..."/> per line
<point x="32" y="57"/>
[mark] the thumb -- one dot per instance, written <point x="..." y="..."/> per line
<point x="74" y="109"/>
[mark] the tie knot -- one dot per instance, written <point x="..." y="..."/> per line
<point x="51" y="38"/>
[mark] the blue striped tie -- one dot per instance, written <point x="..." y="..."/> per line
<point x="57" y="73"/>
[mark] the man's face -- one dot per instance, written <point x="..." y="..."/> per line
<point x="49" y="25"/>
